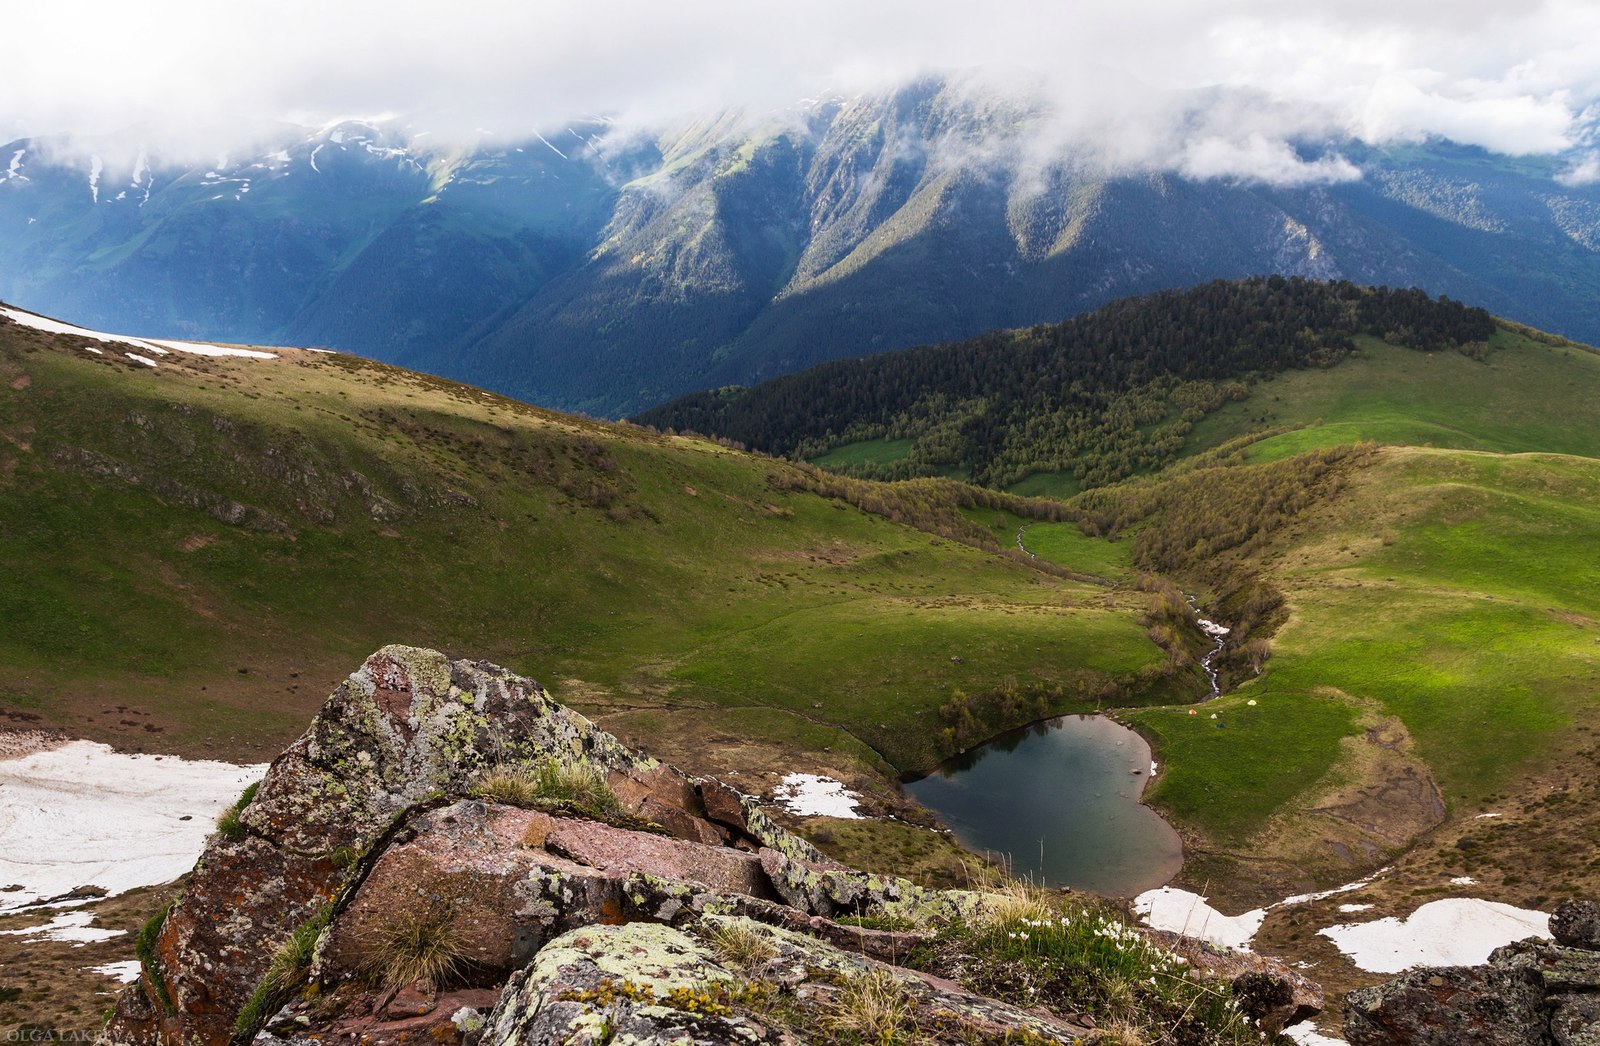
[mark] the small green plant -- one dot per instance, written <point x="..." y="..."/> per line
<point x="741" y="944"/>
<point x="416" y="943"/>
<point x="577" y="786"/>
<point x="229" y="823"/>
<point x="144" y="947"/>
<point x="290" y="967"/>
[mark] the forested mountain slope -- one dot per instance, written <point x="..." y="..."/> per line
<point x="1095" y="399"/>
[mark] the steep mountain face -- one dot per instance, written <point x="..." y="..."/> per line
<point x="606" y="272"/>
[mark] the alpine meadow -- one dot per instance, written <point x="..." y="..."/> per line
<point x="599" y="524"/>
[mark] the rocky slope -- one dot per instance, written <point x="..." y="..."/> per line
<point x="606" y="273"/>
<point x="1531" y="993"/>
<point x="388" y="882"/>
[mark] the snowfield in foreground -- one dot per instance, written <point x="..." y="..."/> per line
<point x="85" y="815"/>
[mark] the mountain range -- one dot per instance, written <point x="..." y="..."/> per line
<point x="602" y="270"/>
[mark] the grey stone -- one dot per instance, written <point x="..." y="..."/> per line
<point x="1448" y="1006"/>
<point x="1577" y="924"/>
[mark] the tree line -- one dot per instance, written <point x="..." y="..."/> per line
<point x="1102" y="396"/>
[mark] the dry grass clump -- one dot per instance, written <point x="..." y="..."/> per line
<point x="741" y="944"/>
<point x="416" y="943"/>
<point x="874" y="1007"/>
<point x="551" y="782"/>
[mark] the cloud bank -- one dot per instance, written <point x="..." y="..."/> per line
<point x="1210" y="88"/>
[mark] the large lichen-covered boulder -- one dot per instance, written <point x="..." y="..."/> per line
<point x="651" y="983"/>
<point x="1448" y="1006"/>
<point x="409" y="724"/>
<point x="1530" y="992"/>
<point x="641" y="982"/>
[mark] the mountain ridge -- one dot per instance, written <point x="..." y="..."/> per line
<point x="632" y="268"/>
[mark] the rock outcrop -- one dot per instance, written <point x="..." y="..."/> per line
<point x="1531" y="993"/>
<point x="380" y="890"/>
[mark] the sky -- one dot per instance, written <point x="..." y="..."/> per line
<point x="1208" y="87"/>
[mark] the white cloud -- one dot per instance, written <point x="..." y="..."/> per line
<point x="1258" y="158"/>
<point x="1196" y="85"/>
<point x="1584" y="171"/>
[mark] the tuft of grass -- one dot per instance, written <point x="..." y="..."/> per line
<point x="741" y="944"/>
<point x="229" y="824"/>
<point x="550" y="782"/>
<point x="874" y="1007"/>
<point x="290" y="967"/>
<point x="418" y="943"/>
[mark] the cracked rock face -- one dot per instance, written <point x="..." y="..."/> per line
<point x="1531" y="993"/>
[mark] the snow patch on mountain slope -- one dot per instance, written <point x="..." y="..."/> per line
<point x="159" y="346"/>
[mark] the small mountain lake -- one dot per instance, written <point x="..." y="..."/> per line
<point x="1059" y="802"/>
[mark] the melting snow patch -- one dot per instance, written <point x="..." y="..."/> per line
<point x="1306" y="898"/>
<point x="809" y="795"/>
<point x="1355" y="907"/>
<point x="1188" y="913"/>
<point x="147" y="361"/>
<point x="71" y="926"/>
<point x="1463" y="880"/>
<point x="83" y="814"/>
<point x="196" y="348"/>
<point x="1458" y="931"/>
<point x="126" y="971"/>
<point x="1306" y="1035"/>
<point x="158" y="346"/>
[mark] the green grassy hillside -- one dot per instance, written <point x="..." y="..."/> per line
<point x="1436" y="656"/>
<point x="1527" y="394"/>
<point x="195" y="552"/>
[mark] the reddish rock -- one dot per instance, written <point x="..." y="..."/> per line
<point x="614" y="849"/>
<point x="472" y="866"/>
<point x="408" y="725"/>
<point x="724" y="806"/>
<point x="417" y="999"/>
<point x="359" y="1026"/>
<point x="667" y="797"/>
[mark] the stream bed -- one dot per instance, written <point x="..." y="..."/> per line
<point x="1058" y="802"/>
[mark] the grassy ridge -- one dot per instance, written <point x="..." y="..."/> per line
<point x="1526" y="395"/>
<point x="215" y="541"/>
<point x="1454" y="591"/>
